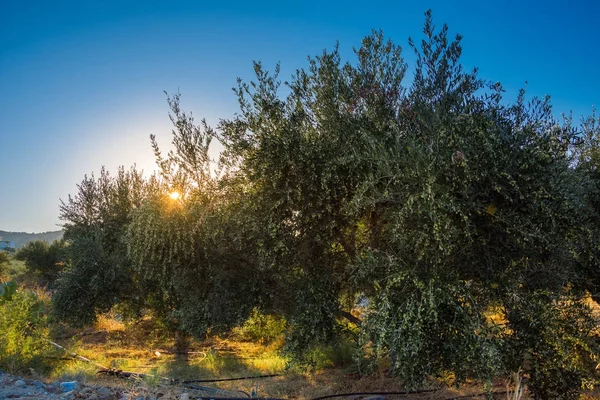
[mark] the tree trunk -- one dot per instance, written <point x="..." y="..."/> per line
<point x="181" y="344"/>
<point x="350" y="317"/>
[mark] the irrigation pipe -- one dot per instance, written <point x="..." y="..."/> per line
<point x="404" y="393"/>
<point x="188" y="383"/>
<point x="235" y="398"/>
<point x="231" y="379"/>
<point x="125" y="374"/>
<point x="328" y="396"/>
<point x="216" y="391"/>
<point x="470" y="396"/>
<point x="360" y="394"/>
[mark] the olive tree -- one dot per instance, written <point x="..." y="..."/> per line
<point x="439" y="202"/>
<point x="460" y="225"/>
<point x="96" y="222"/>
<point x="192" y="252"/>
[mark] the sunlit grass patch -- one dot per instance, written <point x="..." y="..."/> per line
<point x="269" y="364"/>
<point x="216" y="358"/>
<point x="74" y="370"/>
<point x="109" y="322"/>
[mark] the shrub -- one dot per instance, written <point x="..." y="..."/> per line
<point x="23" y="330"/>
<point x="4" y="260"/>
<point x="559" y="339"/>
<point x="44" y="261"/>
<point x="7" y="289"/>
<point x="261" y="327"/>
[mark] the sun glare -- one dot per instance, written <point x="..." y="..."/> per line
<point x="174" y="195"/>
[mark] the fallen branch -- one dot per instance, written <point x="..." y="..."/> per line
<point x="355" y="320"/>
<point x="59" y="358"/>
<point x="74" y="355"/>
<point x="215" y="391"/>
<point x="127" y="375"/>
<point x="109" y="371"/>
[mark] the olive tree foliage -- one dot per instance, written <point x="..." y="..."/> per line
<point x="95" y="222"/>
<point x="306" y="157"/>
<point x="432" y="205"/>
<point x="588" y="165"/>
<point x="437" y="201"/>
<point x="486" y="217"/>
<point x="192" y="255"/>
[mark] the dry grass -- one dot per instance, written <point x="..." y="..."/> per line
<point x="143" y="348"/>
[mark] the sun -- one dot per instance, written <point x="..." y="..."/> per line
<point x="174" y="195"/>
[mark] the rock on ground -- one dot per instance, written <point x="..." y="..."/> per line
<point x="14" y="387"/>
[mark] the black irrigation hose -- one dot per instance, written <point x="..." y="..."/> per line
<point x="231" y="379"/>
<point x="329" y="396"/>
<point x="216" y="391"/>
<point x="124" y="374"/>
<point x="405" y="393"/>
<point x="470" y="396"/>
<point x="234" y="398"/>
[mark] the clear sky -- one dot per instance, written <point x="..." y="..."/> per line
<point x="82" y="82"/>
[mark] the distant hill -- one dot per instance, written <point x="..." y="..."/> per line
<point x="22" y="238"/>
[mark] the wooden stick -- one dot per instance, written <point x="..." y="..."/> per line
<point x="75" y="355"/>
<point x="126" y="375"/>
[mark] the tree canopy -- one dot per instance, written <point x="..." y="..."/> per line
<point x="358" y="205"/>
<point x="44" y="260"/>
<point x="96" y="221"/>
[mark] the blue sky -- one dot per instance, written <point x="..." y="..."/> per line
<point x="82" y="82"/>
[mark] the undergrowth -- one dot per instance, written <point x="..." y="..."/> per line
<point x="24" y="332"/>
